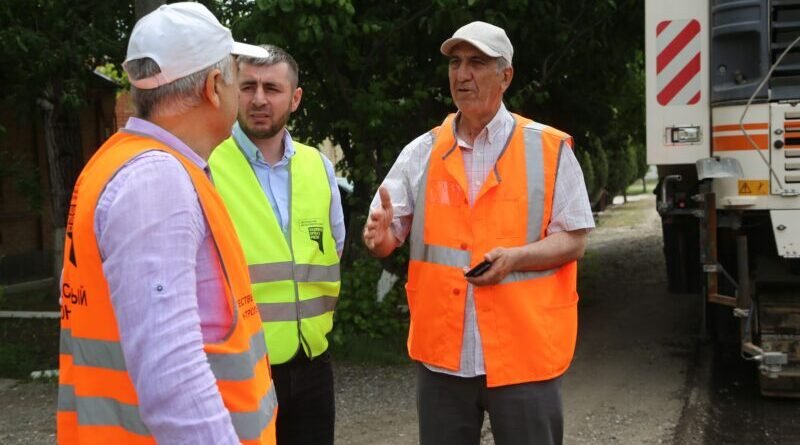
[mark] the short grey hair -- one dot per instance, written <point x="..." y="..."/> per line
<point x="276" y="55"/>
<point x="502" y="64"/>
<point x="177" y="96"/>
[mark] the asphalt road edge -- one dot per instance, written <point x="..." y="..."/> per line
<point x="691" y="428"/>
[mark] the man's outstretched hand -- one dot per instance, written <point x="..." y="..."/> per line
<point x="377" y="234"/>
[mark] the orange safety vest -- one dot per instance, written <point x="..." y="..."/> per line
<point x="97" y="402"/>
<point x="528" y="322"/>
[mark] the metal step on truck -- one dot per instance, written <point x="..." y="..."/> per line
<point x="723" y="129"/>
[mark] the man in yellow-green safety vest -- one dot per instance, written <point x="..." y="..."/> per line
<point x="287" y="211"/>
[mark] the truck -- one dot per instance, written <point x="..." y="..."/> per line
<point x="723" y="130"/>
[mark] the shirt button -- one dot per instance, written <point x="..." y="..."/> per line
<point x="464" y="246"/>
<point x="159" y="288"/>
<point x="456" y="291"/>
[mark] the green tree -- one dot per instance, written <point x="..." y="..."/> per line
<point x="374" y="79"/>
<point x="622" y="169"/>
<point x="585" y="160"/>
<point x="601" y="172"/>
<point x="51" y="48"/>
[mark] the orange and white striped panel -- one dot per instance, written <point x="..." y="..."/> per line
<point x="791" y="134"/>
<point x="678" y="62"/>
<point x="731" y="137"/>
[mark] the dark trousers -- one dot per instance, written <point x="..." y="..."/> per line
<point x="306" y="411"/>
<point x="451" y="410"/>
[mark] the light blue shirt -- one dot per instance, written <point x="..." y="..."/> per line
<point x="274" y="180"/>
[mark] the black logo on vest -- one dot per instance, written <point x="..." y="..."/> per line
<point x="70" y="222"/>
<point x="316" y="232"/>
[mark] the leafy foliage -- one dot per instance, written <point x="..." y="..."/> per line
<point x="116" y="74"/>
<point x="623" y="170"/>
<point x="585" y="161"/>
<point x="27" y="345"/>
<point x="55" y="45"/>
<point x="358" y="313"/>
<point x="24" y="176"/>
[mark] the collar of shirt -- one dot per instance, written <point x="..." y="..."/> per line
<point x="252" y="152"/>
<point x="148" y="129"/>
<point x="494" y="129"/>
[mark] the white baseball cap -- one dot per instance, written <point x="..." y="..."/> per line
<point x="182" y="38"/>
<point x="489" y="39"/>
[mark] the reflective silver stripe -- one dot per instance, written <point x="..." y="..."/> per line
<point x="66" y="397"/>
<point x="535" y="173"/>
<point x="65" y="342"/>
<point x="445" y="256"/>
<point x="108" y="355"/>
<point x="249" y="425"/>
<point x="515" y="277"/>
<point x="104" y="411"/>
<point x="266" y="272"/>
<point x="312" y="273"/>
<point x="303" y="273"/>
<point x="238" y="367"/>
<point x="417" y="241"/>
<point x="277" y="311"/>
<point x="289" y="311"/>
<point x="91" y="352"/>
<point x="502" y="152"/>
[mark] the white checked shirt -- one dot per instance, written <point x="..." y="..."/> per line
<point x="571" y="208"/>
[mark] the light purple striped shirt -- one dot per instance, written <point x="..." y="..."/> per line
<point x="165" y="280"/>
<point x="571" y="208"/>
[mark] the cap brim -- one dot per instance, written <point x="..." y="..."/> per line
<point x="448" y="45"/>
<point x="247" y="50"/>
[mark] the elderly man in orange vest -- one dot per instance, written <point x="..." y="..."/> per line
<point x="161" y="340"/>
<point x="498" y="214"/>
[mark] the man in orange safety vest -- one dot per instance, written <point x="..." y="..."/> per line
<point x="497" y="212"/>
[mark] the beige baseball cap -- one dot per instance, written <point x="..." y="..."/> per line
<point x="182" y="38"/>
<point x="489" y="39"/>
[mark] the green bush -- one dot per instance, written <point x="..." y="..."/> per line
<point x="28" y="345"/>
<point x="365" y="329"/>
<point x="585" y="161"/>
<point x="624" y="171"/>
<point x="600" y="169"/>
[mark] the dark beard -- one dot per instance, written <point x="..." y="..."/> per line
<point x="273" y="129"/>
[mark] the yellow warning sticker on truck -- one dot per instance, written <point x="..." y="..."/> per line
<point x="753" y="187"/>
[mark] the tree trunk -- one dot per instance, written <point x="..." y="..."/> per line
<point x="144" y="7"/>
<point x="63" y="146"/>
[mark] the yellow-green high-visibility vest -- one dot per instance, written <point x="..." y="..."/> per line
<point x="295" y="278"/>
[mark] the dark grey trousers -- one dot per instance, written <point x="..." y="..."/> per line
<point x="451" y="410"/>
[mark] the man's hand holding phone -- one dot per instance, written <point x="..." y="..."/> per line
<point x="478" y="270"/>
<point x="497" y="264"/>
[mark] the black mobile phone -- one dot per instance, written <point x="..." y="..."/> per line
<point x="478" y="270"/>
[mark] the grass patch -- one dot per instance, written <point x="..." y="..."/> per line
<point x="637" y="189"/>
<point x="381" y="351"/>
<point x="34" y="300"/>
<point x="28" y="345"/>
<point x="627" y="215"/>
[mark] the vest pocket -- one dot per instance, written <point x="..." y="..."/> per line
<point x="504" y="217"/>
